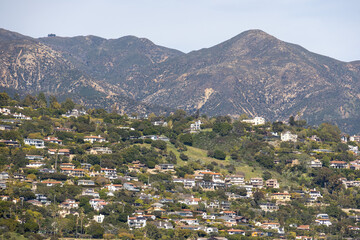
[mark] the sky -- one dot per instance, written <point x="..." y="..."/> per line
<point x="327" y="27"/>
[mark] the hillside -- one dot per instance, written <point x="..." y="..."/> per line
<point x="253" y="73"/>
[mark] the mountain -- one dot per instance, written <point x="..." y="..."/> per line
<point x="253" y="73"/>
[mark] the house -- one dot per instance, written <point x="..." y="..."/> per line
<point x="228" y="213"/>
<point x="281" y="197"/>
<point x="339" y="164"/>
<point x="34" y="157"/>
<point x="315" y="194"/>
<point x="160" y="123"/>
<point x="60" y="152"/>
<point x="130" y="187"/>
<point x="255" y="121"/>
<point x="4" y="176"/>
<point x="269" y="207"/>
<point x="228" y="221"/>
<point x="206" y="216"/>
<point x="235" y="179"/>
<point x="165" y="167"/>
<point x="35" y="164"/>
<point x="190" y="221"/>
<point x="69" y="204"/>
<point x="99" y="218"/>
<point x="195" y="127"/>
<point x="288" y="136"/>
<point x="86" y="183"/>
<point x="93" y="139"/>
<point x="10" y="143"/>
<point x="136" y="222"/>
<point x="50" y="183"/>
<point x="2" y="184"/>
<point x="90" y="192"/>
<point x="67" y="165"/>
<point x="271" y="226"/>
<point x="236" y="231"/>
<point x="85" y="166"/>
<point x="21" y="116"/>
<point x="73" y="172"/>
<point x="191" y="201"/>
<point x="109" y="173"/>
<point x="272" y="183"/>
<point x="315" y="163"/>
<point x="188" y="183"/>
<point x="53" y="140"/>
<point x="323" y="221"/>
<point x="257" y="182"/>
<point x="355" y="138"/>
<point x="184" y="213"/>
<point x="97" y="204"/>
<point x="114" y="187"/>
<point x="303" y="227"/>
<point x="215" y="177"/>
<point x="38" y="143"/>
<point x="163" y="225"/>
<point x="46" y="170"/>
<point x="99" y="150"/>
<point x="5" y="127"/>
<point x="74" y="113"/>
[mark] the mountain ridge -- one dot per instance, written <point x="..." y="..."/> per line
<point x="252" y="73"/>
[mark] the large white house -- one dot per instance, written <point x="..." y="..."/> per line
<point x="255" y="121"/>
<point x="288" y="136"/>
<point x="38" y="143"/>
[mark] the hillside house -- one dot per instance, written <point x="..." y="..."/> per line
<point x="288" y="137"/>
<point x="53" y="140"/>
<point x="136" y="222"/>
<point x="272" y="183"/>
<point x="235" y="179"/>
<point x="93" y="139"/>
<point x="38" y="143"/>
<point x="339" y="164"/>
<point x="255" y="121"/>
<point x="257" y="182"/>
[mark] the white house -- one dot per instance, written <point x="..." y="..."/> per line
<point x="35" y="165"/>
<point x="93" y="139"/>
<point x="38" y="143"/>
<point x="288" y="136"/>
<point x="136" y="222"/>
<point x="235" y="179"/>
<point x="255" y="121"/>
<point x="99" y="218"/>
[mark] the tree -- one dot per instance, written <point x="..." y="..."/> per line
<point x="152" y="231"/>
<point x="54" y="104"/>
<point x="42" y="103"/>
<point x="218" y="154"/>
<point x="328" y="132"/>
<point x="186" y="138"/>
<point x="95" y="230"/>
<point x="4" y="99"/>
<point x="159" y="144"/>
<point x="223" y="128"/>
<point x="183" y="157"/>
<point x="266" y="175"/>
<point x="68" y="105"/>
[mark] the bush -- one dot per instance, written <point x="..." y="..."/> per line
<point x="184" y="157"/>
<point x="218" y="154"/>
<point x="159" y="144"/>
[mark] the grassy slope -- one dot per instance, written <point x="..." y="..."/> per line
<point x="256" y="170"/>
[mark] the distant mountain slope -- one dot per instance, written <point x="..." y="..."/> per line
<point x="29" y="66"/>
<point x="257" y="74"/>
<point x="252" y="73"/>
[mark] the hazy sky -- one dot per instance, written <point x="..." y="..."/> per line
<point x="328" y="27"/>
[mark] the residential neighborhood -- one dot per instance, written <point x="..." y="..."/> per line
<point x="92" y="174"/>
